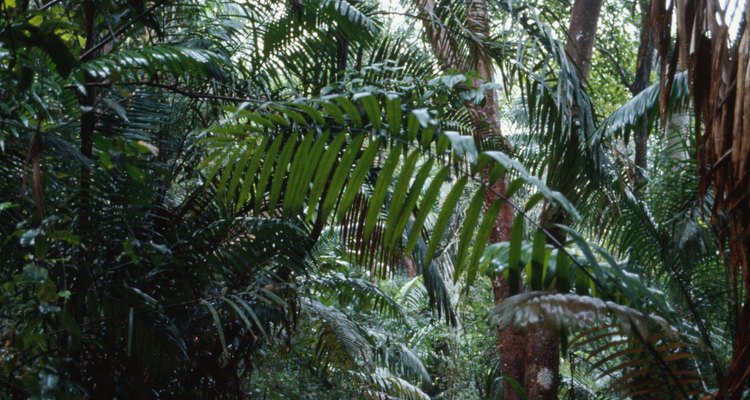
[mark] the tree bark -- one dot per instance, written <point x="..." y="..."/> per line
<point x="640" y="83"/>
<point x="88" y="123"/>
<point x="542" y="367"/>
<point x="511" y="342"/>
<point x="87" y="101"/>
<point x="583" y="22"/>
<point x="485" y="119"/>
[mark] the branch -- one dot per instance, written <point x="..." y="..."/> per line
<point x="620" y="70"/>
<point x="89" y="52"/>
<point x="418" y="17"/>
<point x="173" y="88"/>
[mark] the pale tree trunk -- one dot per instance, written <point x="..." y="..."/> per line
<point x="677" y="128"/>
<point x="486" y="121"/>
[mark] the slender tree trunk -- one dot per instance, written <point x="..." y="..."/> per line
<point x="677" y="127"/>
<point x="86" y="101"/>
<point x="512" y="342"/>
<point x="543" y="345"/>
<point x="486" y="122"/>
<point x="88" y="122"/>
<point x="641" y="82"/>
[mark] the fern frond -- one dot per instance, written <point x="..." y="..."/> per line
<point x="573" y="312"/>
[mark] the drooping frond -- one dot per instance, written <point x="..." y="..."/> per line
<point x="402" y="359"/>
<point x="643" y="106"/>
<point x="358" y="292"/>
<point x="561" y="311"/>
<point x="382" y="385"/>
<point x="340" y="162"/>
<point x="341" y="341"/>
<point x="659" y="367"/>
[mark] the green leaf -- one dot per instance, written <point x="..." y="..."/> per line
<point x="116" y="108"/>
<point x="280" y="172"/>
<point x="538" y="261"/>
<point x="357" y="177"/>
<point x="265" y="171"/>
<point x="227" y="172"/>
<point x="372" y="109"/>
<point x="350" y="109"/>
<point x="563" y="272"/>
<point x="253" y="116"/>
<point x="422" y="116"/>
<point x="297" y="186"/>
<point x="217" y="324"/>
<point x="533" y="200"/>
<point x="239" y="313"/>
<point x="550" y="194"/>
<point x="514" y="253"/>
<point x="398" y="196"/>
<point x="278" y="119"/>
<point x="480" y="242"/>
<point x="333" y="111"/>
<point x="411" y="201"/>
<point x="323" y="172"/>
<point x="314" y="114"/>
<point x="469" y="227"/>
<point x="412" y="127"/>
<point x="514" y="186"/>
<point x="430" y="196"/>
<point x="443" y="218"/>
<point x="517" y="388"/>
<point x="308" y="171"/>
<point x="33" y="273"/>
<point x="239" y="168"/>
<point x="249" y="311"/>
<point x="463" y="146"/>
<point x="293" y="115"/>
<point x="381" y="189"/>
<point x="585" y="249"/>
<point x="249" y="176"/>
<point x="340" y="175"/>
<point x="394" y="114"/>
<point x="46" y="292"/>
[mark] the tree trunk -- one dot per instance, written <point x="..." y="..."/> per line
<point x="542" y="367"/>
<point x="485" y="119"/>
<point x="641" y="82"/>
<point x="583" y="21"/>
<point x="87" y="101"/>
<point x="511" y="342"/>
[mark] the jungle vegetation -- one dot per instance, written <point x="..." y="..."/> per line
<point x="374" y="199"/>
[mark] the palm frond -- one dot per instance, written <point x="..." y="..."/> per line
<point x="563" y="311"/>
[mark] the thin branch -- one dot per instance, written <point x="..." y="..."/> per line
<point x="618" y="67"/>
<point x="172" y="88"/>
<point x="421" y="18"/>
<point x="89" y="52"/>
<point x="48" y="5"/>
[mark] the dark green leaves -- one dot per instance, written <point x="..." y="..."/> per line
<point x="443" y="217"/>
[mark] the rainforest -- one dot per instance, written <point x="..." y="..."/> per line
<point x="375" y="199"/>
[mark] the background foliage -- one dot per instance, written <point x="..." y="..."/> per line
<point x="286" y="199"/>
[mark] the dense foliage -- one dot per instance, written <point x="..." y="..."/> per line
<point x="298" y="199"/>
